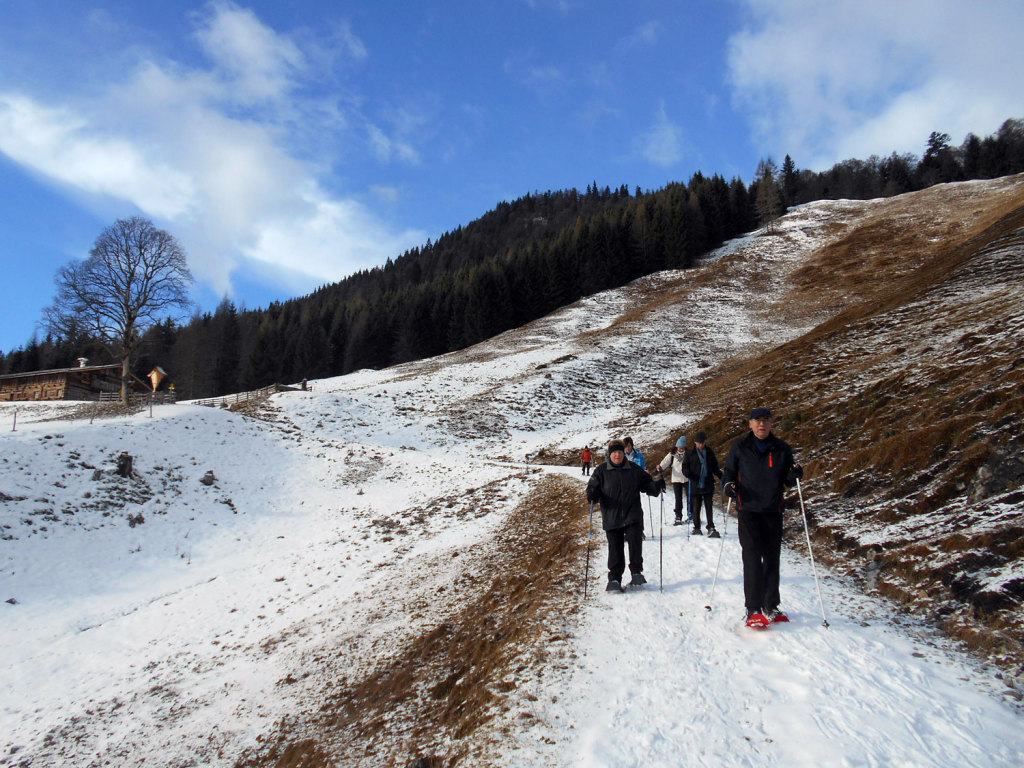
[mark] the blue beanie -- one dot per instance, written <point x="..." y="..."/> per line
<point x="681" y="442"/>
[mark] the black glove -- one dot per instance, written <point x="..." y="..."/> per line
<point x="660" y="482"/>
<point x="591" y="497"/>
<point x="729" y="489"/>
<point x="796" y="472"/>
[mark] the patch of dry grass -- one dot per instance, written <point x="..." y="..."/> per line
<point x="437" y="701"/>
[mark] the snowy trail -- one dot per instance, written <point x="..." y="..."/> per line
<point x="663" y="681"/>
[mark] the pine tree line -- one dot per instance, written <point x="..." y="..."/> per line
<point x="516" y="263"/>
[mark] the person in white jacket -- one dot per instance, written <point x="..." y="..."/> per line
<point x="678" y="478"/>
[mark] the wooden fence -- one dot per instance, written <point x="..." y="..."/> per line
<point x="229" y="401"/>
<point x="139" y="398"/>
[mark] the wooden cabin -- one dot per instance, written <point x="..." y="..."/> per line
<point x="83" y="383"/>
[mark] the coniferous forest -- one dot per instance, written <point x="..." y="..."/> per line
<point x="514" y="264"/>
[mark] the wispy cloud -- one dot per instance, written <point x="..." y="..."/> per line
<point x="64" y="146"/>
<point x="828" y="81"/>
<point x="255" y="61"/>
<point x="529" y="69"/>
<point x="208" y="153"/>
<point x="643" y="37"/>
<point x="662" y="144"/>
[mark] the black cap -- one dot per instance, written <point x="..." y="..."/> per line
<point x="760" y="413"/>
<point x="616" y="445"/>
<point x="700" y="437"/>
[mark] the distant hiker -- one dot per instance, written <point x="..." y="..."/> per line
<point x="757" y="467"/>
<point x="633" y="454"/>
<point x="676" y="460"/>
<point x="702" y="468"/>
<point x="616" y="485"/>
<point x="586" y="457"/>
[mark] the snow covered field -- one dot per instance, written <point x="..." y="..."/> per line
<point x="334" y="522"/>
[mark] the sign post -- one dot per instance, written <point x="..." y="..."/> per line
<point x="155" y="377"/>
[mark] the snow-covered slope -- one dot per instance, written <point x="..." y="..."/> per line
<point x="160" y="620"/>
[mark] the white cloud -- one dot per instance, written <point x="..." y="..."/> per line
<point x="850" y="78"/>
<point x="173" y="143"/>
<point x="386" y="148"/>
<point x="259" y="63"/>
<point x="662" y="145"/>
<point x="323" y="229"/>
<point x="346" y="39"/>
<point x="64" y="147"/>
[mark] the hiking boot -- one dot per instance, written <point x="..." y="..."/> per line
<point x="679" y="521"/>
<point x="776" y="616"/>
<point x="696" y="531"/>
<point x="614" y="585"/>
<point x="637" y="580"/>
<point x="714" y="534"/>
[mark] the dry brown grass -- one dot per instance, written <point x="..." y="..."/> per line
<point x="436" y="701"/>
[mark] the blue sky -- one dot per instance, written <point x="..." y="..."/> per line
<point x="287" y="145"/>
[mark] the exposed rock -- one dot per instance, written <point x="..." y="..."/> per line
<point x="1004" y="471"/>
<point x="208" y="478"/>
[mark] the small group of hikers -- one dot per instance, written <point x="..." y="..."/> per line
<point x="755" y="473"/>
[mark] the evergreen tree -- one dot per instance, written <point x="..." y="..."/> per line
<point x="769" y="199"/>
<point x="790" y="181"/>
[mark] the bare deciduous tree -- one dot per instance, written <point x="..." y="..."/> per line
<point x="769" y="198"/>
<point x="135" y="275"/>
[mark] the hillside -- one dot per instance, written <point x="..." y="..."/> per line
<point x="387" y="570"/>
<point x="908" y="405"/>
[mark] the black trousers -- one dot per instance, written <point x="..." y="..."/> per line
<point x="683" y="492"/>
<point x="586" y="467"/>
<point x="706" y="498"/>
<point x="761" y="542"/>
<point x="633" y="535"/>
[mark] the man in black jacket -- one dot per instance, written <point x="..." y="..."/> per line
<point x="616" y="486"/>
<point x="756" y="469"/>
<point x="702" y="469"/>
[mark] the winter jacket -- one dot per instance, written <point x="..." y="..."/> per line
<point x="691" y="464"/>
<point x="678" y="462"/>
<point x="586" y="456"/>
<point x="617" y="489"/>
<point x="759" y="477"/>
<point x="637" y="458"/>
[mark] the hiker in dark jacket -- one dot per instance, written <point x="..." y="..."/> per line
<point x="616" y="485"/>
<point x="702" y="469"/>
<point x="756" y="470"/>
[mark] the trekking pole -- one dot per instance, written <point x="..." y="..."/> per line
<point x="650" y="514"/>
<point x="689" y="509"/>
<point x="721" y="548"/>
<point x="590" y="535"/>
<point x="821" y="602"/>
<point x="661" y="547"/>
